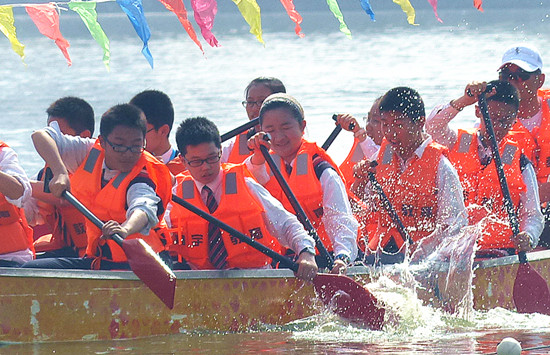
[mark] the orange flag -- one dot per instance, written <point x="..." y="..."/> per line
<point x="46" y="19"/>
<point x="177" y="7"/>
<point x="294" y="16"/>
<point x="477" y="5"/>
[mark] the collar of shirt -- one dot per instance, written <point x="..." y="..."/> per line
<point x="215" y="186"/>
<point x="169" y="155"/>
<point x="418" y="152"/>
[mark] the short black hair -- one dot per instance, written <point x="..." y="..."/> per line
<point x="273" y="84"/>
<point x="122" y="115"/>
<point x="197" y="130"/>
<point x="78" y="113"/>
<point x="404" y="100"/>
<point x="505" y="93"/>
<point x="285" y="101"/>
<point x="157" y="107"/>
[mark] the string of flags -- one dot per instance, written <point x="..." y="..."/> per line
<point x="46" y="18"/>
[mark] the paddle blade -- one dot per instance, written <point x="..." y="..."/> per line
<point x="150" y="269"/>
<point x="349" y="300"/>
<point x="531" y="293"/>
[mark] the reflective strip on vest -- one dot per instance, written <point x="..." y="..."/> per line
<point x="386" y="157"/>
<point x="231" y="184"/>
<point x="357" y="155"/>
<point x="118" y="180"/>
<point x="243" y="145"/>
<point x="301" y="164"/>
<point x="465" y="142"/>
<point x="188" y="189"/>
<point x="508" y="154"/>
<point x="92" y="159"/>
<point x="277" y="160"/>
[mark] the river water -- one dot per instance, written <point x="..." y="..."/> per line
<point x="327" y="73"/>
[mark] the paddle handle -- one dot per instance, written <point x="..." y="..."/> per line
<point x="389" y="208"/>
<point x="242" y="237"/>
<point x="514" y="224"/>
<point x="300" y="213"/>
<point x="335" y="132"/>
<point x="240" y="129"/>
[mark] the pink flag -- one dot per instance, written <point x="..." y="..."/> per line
<point x="477" y="5"/>
<point x="46" y="19"/>
<point x="294" y="16"/>
<point x="205" y="11"/>
<point x="434" y="5"/>
<point x="177" y="7"/>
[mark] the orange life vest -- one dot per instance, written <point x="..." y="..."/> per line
<point x="176" y="166"/>
<point x="109" y="202"/>
<point x="15" y="233"/>
<point x="68" y="228"/>
<point x="240" y="150"/>
<point x="482" y="192"/>
<point x="237" y="207"/>
<point x="412" y="193"/>
<point x="305" y="185"/>
<point x="355" y="155"/>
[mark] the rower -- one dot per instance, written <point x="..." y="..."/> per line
<point x="236" y="150"/>
<point x="116" y="179"/>
<point x="229" y="193"/>
<point x="416" y="177"/>
<point x="471" y="156"/>
<point x="311" y="174"/>
<point x="60" y="230"/>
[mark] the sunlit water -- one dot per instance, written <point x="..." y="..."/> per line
<point x="327" y="73"/>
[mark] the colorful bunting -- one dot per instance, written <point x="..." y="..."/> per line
<point x="333" y="5"/>
<point x="46" y="19"/>
<point x="478" y="5"/>
<point x="368" y="9"/>
<point x="134" y="10"/>
<point x="434" y="5"/>
<point x="86" y="11"/>
<point x="251" y="13"/>
<point x="177" y="7"/>
<point x="407" y="9"/>
<point x="204" y="12"/>
<point x="8" y="29"/>
<point x="294" y="16"/>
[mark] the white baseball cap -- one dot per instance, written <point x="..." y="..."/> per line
<point x="527" y="58"/>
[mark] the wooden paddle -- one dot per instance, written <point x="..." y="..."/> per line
<point x="144" y="262"/>
<point x="335" y="132"/>
<point x="531" y="293"/>
<point x="341" y="294"/>
<point x="240" y="129"/>
<point x="300" y="213"/>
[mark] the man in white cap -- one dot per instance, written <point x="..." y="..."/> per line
<point x="521" y="66"/>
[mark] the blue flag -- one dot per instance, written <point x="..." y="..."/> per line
<point x="365" y="4"/>
<point x="134" y="10"/>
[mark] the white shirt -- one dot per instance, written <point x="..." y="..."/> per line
<point x="169" y="155"/>
<point x="73" y="151"/>
<point x="9" y="164"/>
<point x="279" y="222"/>
<point x="340" y="224"/>
<point x="450" y="198"/>
<point x="368" y="147"/>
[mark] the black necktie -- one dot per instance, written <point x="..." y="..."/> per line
<point x="216" y="249"/>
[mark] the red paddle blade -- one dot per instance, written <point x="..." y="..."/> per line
<point x="531" y="293"/>
<point x="349" y="300"/>
<point x="150" y="269"/>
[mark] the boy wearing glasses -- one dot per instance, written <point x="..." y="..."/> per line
<point x="116" y="179"/>
<point x="230" y="194"/>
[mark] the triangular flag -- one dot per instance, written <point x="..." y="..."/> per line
<point x="87" y="13"/>
<point x="365" y="4"/>
<point x="434" y="5"/>
<point x="250" y="10"/>
<point x="177" y="7"/>
<point x="333" y="5"/>
<point x="8" y="29"/>
<point x="407" y="9"/>
<point x="478" y="5"/>
<point x="46" y="19"/>
<point x="294" y="16"/>
<point x="134" y="10"/>
<point x="204" y="12"/>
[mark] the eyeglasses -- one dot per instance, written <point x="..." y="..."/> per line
<point x="119" y="148"/>
<point x="252" y="103"/>
<point x="520" y="74"/>
<point x="198" y="162"/>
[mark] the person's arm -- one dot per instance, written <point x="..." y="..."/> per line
<point x="227" y="147"/>
<point x="258" y="171"/>
<point x="14" y="183"/>
<point x="531" y="220"/>
<point x="136" y="222"/>
<point x="143" y="198"/>
<point x="47" y="149"/>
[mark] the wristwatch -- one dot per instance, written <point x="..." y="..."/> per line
<point x="310" y="250"/>
<point x="346" y="259"/>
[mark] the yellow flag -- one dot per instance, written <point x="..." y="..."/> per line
<point x="8" y="29"/>
<point x="251" y="13"/>
<point x="407" y="9"/>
